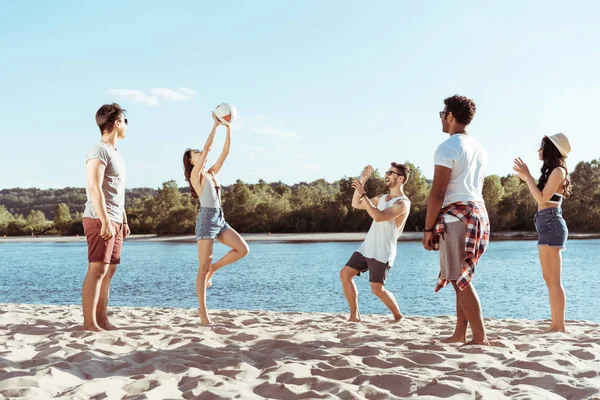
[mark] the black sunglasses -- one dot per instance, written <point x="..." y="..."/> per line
<point x="126" y="122"/>
<point x="388" y="173"/>
<point x="442" y="113"/>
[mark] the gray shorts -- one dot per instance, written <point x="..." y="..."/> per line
<point x="452" y="250"/>
<point x="210" y="223"/>
<point x="378" y="271"/>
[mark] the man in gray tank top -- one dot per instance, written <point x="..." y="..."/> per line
<point x="104" y="220"/>
<point x="378" y="252"/>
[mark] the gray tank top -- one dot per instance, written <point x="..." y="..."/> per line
<point x="211" y="196"/>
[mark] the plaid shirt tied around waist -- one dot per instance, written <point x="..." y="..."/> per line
<point x="474" y="215"/>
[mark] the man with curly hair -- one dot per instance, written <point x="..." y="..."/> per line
<point x="457" y="222"/>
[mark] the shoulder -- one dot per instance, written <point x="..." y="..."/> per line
<point x="560" y="172"/>
<point x="98" y="151"/>
<point x="450" y="145"/>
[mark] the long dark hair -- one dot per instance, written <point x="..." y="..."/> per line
<point x="552" y="159"/>
<point x="187" y="170"/>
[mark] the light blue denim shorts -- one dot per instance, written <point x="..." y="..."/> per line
<point x="551" y="228"/>
<point x="210" y="223"/>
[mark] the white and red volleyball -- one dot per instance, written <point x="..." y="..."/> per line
<point x="226" y="113"/>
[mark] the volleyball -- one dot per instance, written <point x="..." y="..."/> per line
<point x="226" y="113"/>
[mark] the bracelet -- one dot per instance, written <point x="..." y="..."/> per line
<point x="363" y="195"/>
<point x="428" y="230"/>
<point x="125" y="223"/>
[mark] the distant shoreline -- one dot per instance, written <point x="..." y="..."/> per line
<point x="284" y="237"/>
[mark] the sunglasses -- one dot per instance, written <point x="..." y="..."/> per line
<point x="125" y="120"/>
<point x="388" y="173"/>
<point x="442" y="113"/>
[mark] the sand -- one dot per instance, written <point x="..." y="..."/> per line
<point x="165" y="354"/>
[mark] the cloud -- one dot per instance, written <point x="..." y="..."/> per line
<point x="253" y="148"/>
<point x="137" y="96"/>
<point x="151" y="99"/>
<point x="311" y="167"/>
<point x="169" y="94"/>
<point x="263" y="126"/>
<point x="141" y="165"/>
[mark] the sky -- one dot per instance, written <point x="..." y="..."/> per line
<point x="322" y="88"/>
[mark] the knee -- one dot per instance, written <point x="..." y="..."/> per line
<point x="378" y="289"/>
<point x="204" y="269"/>
<point x="97" y="271"/>
<point x="345" y="276"/>
<point x="111" y="271"/>
<point x="244" y="250"/>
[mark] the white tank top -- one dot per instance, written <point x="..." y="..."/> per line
<point x="210" y="196"/>
<point x="382" y="237"/>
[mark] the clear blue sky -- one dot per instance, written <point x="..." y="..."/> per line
<point x="322" y="87"/>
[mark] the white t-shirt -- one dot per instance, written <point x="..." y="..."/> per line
<point x="468" y="160"/>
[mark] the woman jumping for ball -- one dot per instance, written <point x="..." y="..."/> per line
<point x="210" y="223"/>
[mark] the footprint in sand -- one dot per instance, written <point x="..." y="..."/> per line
<point x="274" y="391"/>
<point x="425" y="358"/>
<point x="366" y="351"/>
<point x="243" y="337"/>
<point x="398" y="385"/>
<point x="583" y="355"/>
<point x="339" y="374"/>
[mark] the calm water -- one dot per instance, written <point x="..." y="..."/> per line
<point x="301" y="277"/>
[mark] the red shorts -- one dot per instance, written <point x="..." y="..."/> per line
<point x="100" y="250"/>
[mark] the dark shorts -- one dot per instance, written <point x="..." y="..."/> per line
<point x="100" y="250"/>
<point x="551" y="228"/>
<point x="378" y="271"/>
<point x="210" y="223"/>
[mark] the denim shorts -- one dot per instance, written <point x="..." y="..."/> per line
<point x="210" y="223"/>
<point x="551" y="228"/>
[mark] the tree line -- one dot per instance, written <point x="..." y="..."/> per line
<point x="317" y="206"/>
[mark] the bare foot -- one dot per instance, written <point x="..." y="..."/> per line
<point x="204" y="320"/>
<point x="93" y="328"/>
<point x="107" y="326"/>
<point x="397" y="318"/>
<point x="211" y="272"/>
<point x="455" y="339"/>
<point x="477" y="343"/>
<point x="556" y="329"/>
<point x="354" y="319"/>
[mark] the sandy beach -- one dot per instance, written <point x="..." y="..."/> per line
<point x="283" y="237"/>
<point x="164" y="353"/>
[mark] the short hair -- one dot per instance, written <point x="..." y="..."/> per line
<point x="404" y="170"/>
<point x="107" y="115"/>
<point x="462" y="108"/>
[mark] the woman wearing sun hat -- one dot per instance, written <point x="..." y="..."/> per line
<point x="552" y="187"/>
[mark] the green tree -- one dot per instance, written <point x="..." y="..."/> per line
<point x="62" y="219"/>
<point x="36" y="222"/>
<point x="493" y="192"/>
<point x="5" y="218"/>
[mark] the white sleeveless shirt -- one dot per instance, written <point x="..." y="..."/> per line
<point x="382" y="238"/>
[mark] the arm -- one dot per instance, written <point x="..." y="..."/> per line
<point x="126" y="230"/>
<point x="95" y="176"/>
<point x="360" y="200"/>
<point x="209" y="142"/>
<point x="390" y="213"/>
<point x="441" y="177"/>
<point x="555" y="180"/>
<point x="219" y="163"/>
